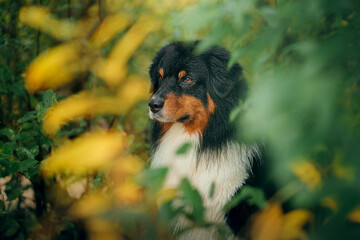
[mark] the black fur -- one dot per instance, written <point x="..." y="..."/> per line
<point x="226" y="86"/>
<point x="210" y="71"/>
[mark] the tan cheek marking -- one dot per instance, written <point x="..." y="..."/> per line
<point x="211" y="103"/>
<point x="176" y="107"/>
<point x="161" y="72"/>
<point x="181" y="74"/>
<point x="172" y="106"/>
<point x="165" y="126"/>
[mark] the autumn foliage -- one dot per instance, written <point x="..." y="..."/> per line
<point x="74" y="135"/>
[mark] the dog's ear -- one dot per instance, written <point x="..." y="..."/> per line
<point x="222" y="80"/>
<point x="154" y="70"/>
<point x="153" y="73"/>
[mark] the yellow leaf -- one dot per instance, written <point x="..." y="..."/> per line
<point x="307" y="173"/>
<point x="272" y="224"/>
<point x="268" y="223"/>
<point x="87" y="153"/>
<point x="84" y="27"/>
<point x="113" y="70"/>
<point x="293" y="224"/>
<point x="103" y="229"/>
<point x="354" y="215"/>
<point x="165" y="195"/>
<point x="34" y="16"/>
<point x="124" y="166"/>
<point x="329" y="203"/>
<point x="132" y="91"/>
<point x="90" y="205"/>
<point x="128" y="193"/>
<point x="81" y="105"/>
<point x="40" y="18"/>
<point x="54" y="68"/>
<point x="108" y="29"/>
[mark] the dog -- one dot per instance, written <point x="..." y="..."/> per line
<point x="193" y="95"/>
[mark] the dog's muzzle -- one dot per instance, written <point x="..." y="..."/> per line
<point x="156" y="104"/>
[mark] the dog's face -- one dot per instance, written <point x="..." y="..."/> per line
<point x="187" y="86"/>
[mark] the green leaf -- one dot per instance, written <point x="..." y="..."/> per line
<point x="253" y="195"/>
<point x="27" y="117"/>
<point x="212" y="190"/>
<point x="193" y="198"/>
<point x="13" y="194"/>
<point x="27" y="126"/>
<point x="152" y="178"/>
<point x="9" y="133"/>
<point x="48" y="99"/>
<point x="98" y="180"/>
<point x="167" y="212"/>
<point x="13" y="227"/>
<point x="32" y="172"/>
<point x="184" y="148"/>
<point x="13" y="166"/>
<point x="29" y="163"/>
<point x="23" y="152"/>
<point x="7" y="149"/>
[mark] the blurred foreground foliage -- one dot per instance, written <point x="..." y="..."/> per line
<point x="74" y="129"/>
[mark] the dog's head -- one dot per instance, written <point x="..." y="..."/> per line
<point x="189" y="88"/>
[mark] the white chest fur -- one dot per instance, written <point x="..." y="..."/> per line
<point x="227" y="170"/>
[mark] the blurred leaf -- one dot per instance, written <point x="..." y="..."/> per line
<point x="40" y="18"/>
<point x="193" y="199"/>
<point x="31" y="115"/>
<point x="90" y="205"/>
<point x="354" y="215"/>
<point x="27" y="153"/>
<point x="29" y="163"/>
<point x="294" y="222"/>
<point x="268" y="223"/>
<point x="97" y="182"/>
<point x="307" y="173"/>
<point x="43" y="72"/>
<point x="109" y="27"/>
<point x="212" y="190"/>
<point x="81" y="105"/>
<point x="135" y="89"/>
<point x="48" y="98"/>
<point x="113" y="70"/>
<point x="152" y="178"/>
<point x="85" y="154"/>
<point x="13" y="227"/>
<point x="9" y="133"/>
<point x="252" y="195"/>
<point x="165" y="195"/>
<point x="184" y="148"/>
<point x="128" y="193"/>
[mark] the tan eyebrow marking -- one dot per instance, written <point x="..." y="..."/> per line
<point x="161" y="71"/>
<point x="182" y="74"/>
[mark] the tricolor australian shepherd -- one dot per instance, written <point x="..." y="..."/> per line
<point x="193" y="96"/>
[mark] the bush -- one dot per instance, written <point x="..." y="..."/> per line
<point x="74" y="128"/>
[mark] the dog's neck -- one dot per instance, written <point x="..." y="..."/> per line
<point x="227" y="167"/>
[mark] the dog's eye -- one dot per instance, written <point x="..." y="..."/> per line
<point x="187" y="80"/>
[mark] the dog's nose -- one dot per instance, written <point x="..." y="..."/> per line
<point x="156" y="104"/>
